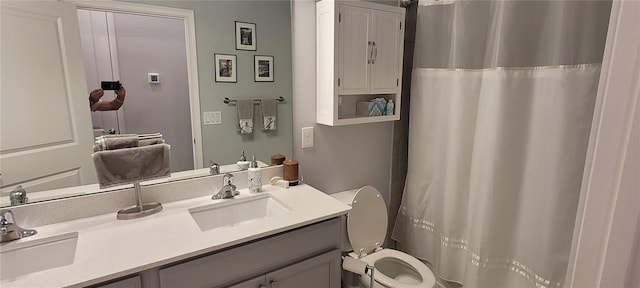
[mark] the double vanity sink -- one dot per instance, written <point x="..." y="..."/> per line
<point x="97" y="249"/>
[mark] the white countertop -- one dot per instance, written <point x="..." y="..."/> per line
<point x="108" y="248"/>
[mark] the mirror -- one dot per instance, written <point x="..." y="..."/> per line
<point x="51" y="117"/>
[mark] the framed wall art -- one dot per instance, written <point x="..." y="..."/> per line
<point x="246" y="36"/>
<point x="225" y="67"/>
<point x="263" y="68"/>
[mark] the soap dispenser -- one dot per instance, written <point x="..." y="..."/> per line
<point x="254" y="175"/>
<point x="243" y="164"/>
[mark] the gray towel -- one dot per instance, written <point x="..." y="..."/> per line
<point x="122" y="166"/>
<point x="269" y="111"/>
<point x="115" y="141"/>
<point x="245" y="116"/>
<point x="146" y="142"/>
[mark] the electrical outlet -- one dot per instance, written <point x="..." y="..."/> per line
<point x="212" y="117"/>
<point x="307" y="137"/>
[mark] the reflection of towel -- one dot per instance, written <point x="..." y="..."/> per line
<point x="269" y="111"/>
<point x="245" y="116"/>
<point x="115" y="141"/>
<point x="119" y="141"/>
<point x="122" y="166"/>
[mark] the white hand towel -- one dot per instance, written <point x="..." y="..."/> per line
<point x="245" y="116"/>
<point x="269" y="111"/>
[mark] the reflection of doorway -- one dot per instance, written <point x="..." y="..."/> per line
<point x="126" y="47"/>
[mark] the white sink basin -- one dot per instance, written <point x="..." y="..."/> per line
<point x="233" y="212"/>
<point x="24" y="257"/>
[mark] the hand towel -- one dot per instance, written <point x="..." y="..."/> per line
<point x="269" y="110"/>
<point x="245" y="116"/>
<point x="122" y="166"/>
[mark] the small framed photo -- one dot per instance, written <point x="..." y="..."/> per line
<point x="246" y="36"/>
<point x="225" y="66"/>
<point x="263" y="68"/>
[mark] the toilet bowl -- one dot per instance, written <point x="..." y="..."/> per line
<point x="366" y="226"/>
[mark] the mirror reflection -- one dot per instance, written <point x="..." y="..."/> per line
<point x="165" y="64"/>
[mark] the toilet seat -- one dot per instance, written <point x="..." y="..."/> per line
<point x="367" y="229"/>
<point x="428" y="280"/>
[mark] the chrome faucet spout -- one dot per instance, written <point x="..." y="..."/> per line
<point x="228" y="190"/>
<point x="9" y="230"/>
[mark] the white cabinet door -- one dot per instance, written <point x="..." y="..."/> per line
<point x="387" y="52"/>
<point x="46" y="135"/>
<point x="353" y="50"/>
<point x="319" y="272"/>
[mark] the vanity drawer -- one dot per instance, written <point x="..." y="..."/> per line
<point x="250" y="260"/>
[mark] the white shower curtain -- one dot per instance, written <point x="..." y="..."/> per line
<point x="501" y="104"/>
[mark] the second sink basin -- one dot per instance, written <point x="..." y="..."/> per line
<point x="234" y="212"/>
<point x="21" y="258"/>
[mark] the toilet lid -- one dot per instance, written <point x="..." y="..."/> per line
<point x="367" y="220"/>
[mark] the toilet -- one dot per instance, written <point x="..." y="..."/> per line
<point x="366" y="226"/>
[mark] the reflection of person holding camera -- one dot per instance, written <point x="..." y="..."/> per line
<point x="97" y="104"/>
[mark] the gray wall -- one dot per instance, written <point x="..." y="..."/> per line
<point x="344" y="157"/>
<point x="153" y="44"/>
<point x="215" y="33"/>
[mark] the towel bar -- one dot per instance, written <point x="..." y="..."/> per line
<point x="255" y="101"/>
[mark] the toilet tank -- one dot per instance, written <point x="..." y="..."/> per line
<point x="347" y="198"/>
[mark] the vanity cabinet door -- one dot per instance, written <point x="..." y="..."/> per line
<point x="322" y="271"/>
<point x="133" y="282"/>
<point x="258" y="282"/>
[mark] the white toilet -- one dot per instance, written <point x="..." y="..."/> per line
<point x="366" y="227"/>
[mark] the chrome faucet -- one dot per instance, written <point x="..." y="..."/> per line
<point x="9" y="230"/>
<point x="214" y="168"/>
<point x="228" y="190"/>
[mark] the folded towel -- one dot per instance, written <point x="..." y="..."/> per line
<point x="146" y="142"/>
<point x="119" y="141"/>
<point x="122" y="166"/>
<point x="269" y="110"/>
<point x="245" y="116"/>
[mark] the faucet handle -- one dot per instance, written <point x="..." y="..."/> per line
<point x="227" y="178"/>
<point x="4" y="220"/>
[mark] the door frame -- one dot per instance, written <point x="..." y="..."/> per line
<point x="606" y="236"/>
<point x="192" y="60"/>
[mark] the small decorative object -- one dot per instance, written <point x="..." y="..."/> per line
<point x="225" y="66"/>
<point x="264" y="68"/>
<point x="246" y="36"/>
<point x="290" y="171"/>
<point x="277" y="159"/>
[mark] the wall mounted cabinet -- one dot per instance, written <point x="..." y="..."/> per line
<point x="359" y="51"/>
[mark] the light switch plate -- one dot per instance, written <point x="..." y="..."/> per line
<point x="212" y="117"/>
<point x="307" y="137"/>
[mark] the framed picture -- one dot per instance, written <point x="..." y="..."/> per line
<point x="263" y="68"/>
<point x="225" y="66"/>
<point x="245" y="36"/>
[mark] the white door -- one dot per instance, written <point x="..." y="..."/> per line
<point x="353" y="50"/>
<point x="387" y="52"/>
<point x="46" y="136"/>
<point x="97" y="35"/>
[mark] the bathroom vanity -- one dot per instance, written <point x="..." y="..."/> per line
<point x="277" y="238"/>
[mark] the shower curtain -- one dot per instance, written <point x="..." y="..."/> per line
<point x="502" y="98"/>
